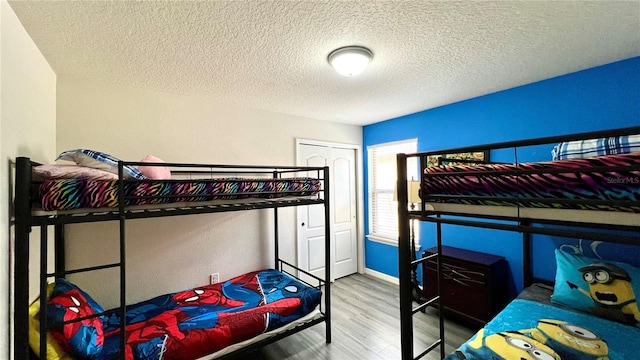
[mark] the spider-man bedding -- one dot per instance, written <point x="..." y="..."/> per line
<point x="183" y="325"/>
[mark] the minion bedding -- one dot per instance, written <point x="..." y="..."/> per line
<point x="183" y="325"/>
<point x="529" y="330"/>
<point x="606" y="178"/>
<point x="591" y="312"/>
<point x="76" y="193"/>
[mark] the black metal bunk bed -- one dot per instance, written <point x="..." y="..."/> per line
<point x="518" y="216"/>
<point x="28" y="216"/>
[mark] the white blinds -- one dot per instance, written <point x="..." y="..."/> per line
<point x="383" y="210"/>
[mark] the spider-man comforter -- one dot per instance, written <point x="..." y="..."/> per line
<point x="201" y="321"/>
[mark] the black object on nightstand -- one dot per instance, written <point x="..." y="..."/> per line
<point x="475" y="284"/>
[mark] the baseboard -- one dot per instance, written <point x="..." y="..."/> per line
<point x="382" y="276"/>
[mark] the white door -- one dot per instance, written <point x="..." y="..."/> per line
<point x="343" y="202"/>
<point x="343" y="242"/>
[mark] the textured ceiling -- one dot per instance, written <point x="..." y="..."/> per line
<point x="271" y="55"/>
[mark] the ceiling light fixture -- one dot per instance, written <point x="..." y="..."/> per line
<point x="350" y="60"/>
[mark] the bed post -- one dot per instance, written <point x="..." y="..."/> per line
<point x="60" y="263"/>
<point x="21" y="258"/>
<point x="440" y="269"/>
<point x="327" y="254"/>
<point x="277" y="240"/>
<point x="404" y="262"/>
<point x="276" y="249"/>
<point x="44" y="252"/>
<point x="527" y="271"/>
<point x="123" y="274"/>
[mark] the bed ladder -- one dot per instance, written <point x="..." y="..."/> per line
<point x="24" y="222"/>
<point x="406" y="261"/>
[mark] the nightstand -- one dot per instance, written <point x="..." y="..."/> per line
<point x="475" y="284"/>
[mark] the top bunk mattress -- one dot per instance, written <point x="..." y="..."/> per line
<point x="69" y="194"/>
<point x="598" y="183"/>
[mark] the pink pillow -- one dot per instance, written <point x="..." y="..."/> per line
<point x="154" y="172"/>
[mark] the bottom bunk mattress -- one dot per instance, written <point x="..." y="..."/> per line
<point x="529" y="329"/>
<point x="188" y="324"/>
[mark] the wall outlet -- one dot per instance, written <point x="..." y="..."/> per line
<point x="214" y="278"/>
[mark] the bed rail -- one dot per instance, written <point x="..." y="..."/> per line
<point x="27" y="217"/>
<point x="536" y="141"/>
<point x="520" y="219"/>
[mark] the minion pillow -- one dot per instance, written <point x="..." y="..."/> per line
<point x="604" y="288"/>
<point x="503" y="345"/>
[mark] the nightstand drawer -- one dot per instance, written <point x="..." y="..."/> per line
<point x="474" y="284"/>
<point x="469" y="302"/>
<point x="459" y="274"/>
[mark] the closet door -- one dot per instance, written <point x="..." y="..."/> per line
<point x="343" y="203"/>
<point x="344" y="247"/>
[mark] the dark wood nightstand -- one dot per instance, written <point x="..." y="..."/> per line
<point x="475" y="284"/>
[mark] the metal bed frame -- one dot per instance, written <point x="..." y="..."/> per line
<point x="517" y="223"/>
<point x="26" y="219"/>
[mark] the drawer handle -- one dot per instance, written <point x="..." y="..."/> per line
<point x="464" y="281"/>
<point x="460" y="277"/>
<point x="456" y="269"/>
<point x="465" y="274"/>
<point x="454" y="272"/>
<point x="460" y="282"/>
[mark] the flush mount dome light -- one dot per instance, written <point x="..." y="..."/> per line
<point x="350" y="60"/>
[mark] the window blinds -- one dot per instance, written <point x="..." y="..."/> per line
<point x="383" y="210"/>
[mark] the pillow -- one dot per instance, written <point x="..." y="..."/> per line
<point x="601" y="287"/>
<point x="596" y="147"/>
<point x="99" y="160"/>
<point x="72" y="172"/>
<point x="67" y="302"/>
<point x="54" y="350"/>
<point x="155" y="172"/>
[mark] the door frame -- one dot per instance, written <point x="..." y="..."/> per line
<point x="359" y="193"/>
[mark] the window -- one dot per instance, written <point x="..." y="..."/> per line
<point x="383" y="210"/>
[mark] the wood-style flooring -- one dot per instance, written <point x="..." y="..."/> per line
<point x="365" y="325"/>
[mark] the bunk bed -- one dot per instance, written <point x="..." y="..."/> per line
<point x="224" y="320"/>
<point x="582" y="193"/>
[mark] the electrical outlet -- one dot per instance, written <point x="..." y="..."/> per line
<point x="215" y="278"/>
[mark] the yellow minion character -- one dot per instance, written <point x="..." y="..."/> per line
<point x="507" y="345"/>
<point x="610" y="288"/>
<point x="570" y="341"/>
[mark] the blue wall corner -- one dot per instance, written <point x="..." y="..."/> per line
<point x="599" y="98"/>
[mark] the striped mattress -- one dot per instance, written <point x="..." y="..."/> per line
<point x="603" y="178"/>
<point x="68" y="194"/>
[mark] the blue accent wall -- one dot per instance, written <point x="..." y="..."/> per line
<point x="599" y="98"/>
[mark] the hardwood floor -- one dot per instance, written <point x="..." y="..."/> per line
<point x="365" y="325"/>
